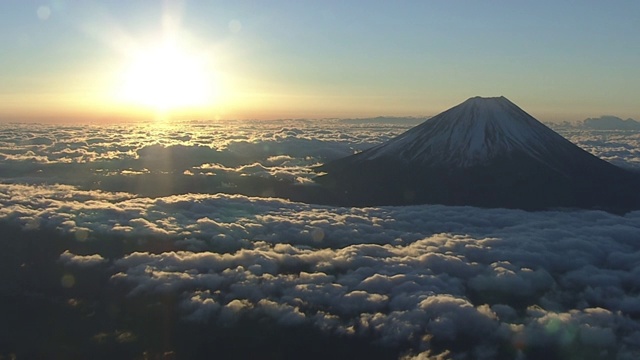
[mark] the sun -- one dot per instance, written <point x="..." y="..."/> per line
<point x="167" y="78"/>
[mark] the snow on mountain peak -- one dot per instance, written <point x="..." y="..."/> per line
<point x="474" y="132"/>
<point x="484" y="152"/>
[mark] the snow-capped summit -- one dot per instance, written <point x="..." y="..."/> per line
<point x="472" y="133"/>
<point x="483" y="152"/>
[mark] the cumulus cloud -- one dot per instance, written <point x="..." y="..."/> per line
<point x="241" y="156"/>
<point x="434" y="281"/>
<point x="70" y="259"/>
<point x="430" y="278"/>
<point x="620" y="147"/>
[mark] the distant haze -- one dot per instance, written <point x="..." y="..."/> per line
<point x="611" y="123"/>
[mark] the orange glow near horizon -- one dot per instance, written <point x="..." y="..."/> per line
<point x="112" y="61"/>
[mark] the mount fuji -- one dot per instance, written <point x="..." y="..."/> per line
<point x="483" y="152"/>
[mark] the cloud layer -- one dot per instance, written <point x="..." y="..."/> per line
<point x="433" y="281"/>
<point x="429" y="278"/>
<point x="218" y="157"/>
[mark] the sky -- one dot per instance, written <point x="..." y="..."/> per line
<point x="110" y="61"/>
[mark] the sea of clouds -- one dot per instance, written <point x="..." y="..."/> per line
<point x="435" y="282"/>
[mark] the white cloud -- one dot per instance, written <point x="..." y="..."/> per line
<point x="70" y="259"/>
<point x="439" y="281"/>
<point x="621" y="148"/>
<point x="393" y="272"/>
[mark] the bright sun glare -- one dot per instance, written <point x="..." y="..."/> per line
<point x="167" y="78"/>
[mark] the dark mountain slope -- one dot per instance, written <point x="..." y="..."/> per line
<point x="484" y="152"/>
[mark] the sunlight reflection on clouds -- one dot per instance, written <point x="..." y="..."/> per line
<point x="471" y="281"/>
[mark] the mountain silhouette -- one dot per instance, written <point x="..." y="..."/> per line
<point x="608" y="122"/>
<point x="483" y="152"/>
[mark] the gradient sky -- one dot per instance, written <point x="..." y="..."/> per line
<point x="78" y="60"/>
